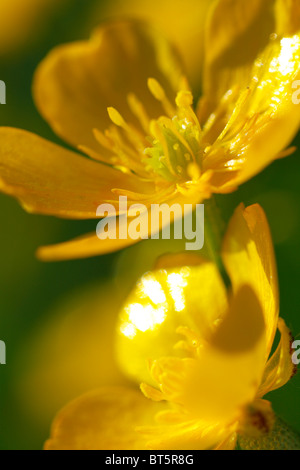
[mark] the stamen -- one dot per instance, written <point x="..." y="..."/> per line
<point x="238" y="114"/>
<point x="194" y="171"/>
<point x="214" y="120"/>
<point x="103" y="140"/>
<point x="124" y="157"/>
<point x="135" y="137"/>
<point x="190" y="335"/>
<point x="159" y="94"/>
<point x="184" y="100"/>
<point x="170" y="143"/>
<point x="116" y="117"/>
<point x="139" y="111"/>
<point x="151" y="392"/>
<point x="110" y="159"/>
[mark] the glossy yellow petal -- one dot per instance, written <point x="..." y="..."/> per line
<point x="288" y="17"/>
<point x="229" y="443"/>
<point x="249" y="258"/>
<point x="189" y="435"/>
<point x="76" y="83"/>
<point x="225" y="374"/>
<point x="280" y="368"/>
<point x="249" y="90"/>
<point x="237" y="31"/>
<point x="133" y="229"/>
<point x="176" y="260"/>
<point x="48" y="179"/>
<point x="182" y="21"/>
<point x="169" y="307"/>
<point x="82" y="247"/>
<point x="103" y="420"/>
<point x="272" y="117"/>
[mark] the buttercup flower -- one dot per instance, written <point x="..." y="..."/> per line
<point x="209" y="388"/>
<point x="157" y="147"/>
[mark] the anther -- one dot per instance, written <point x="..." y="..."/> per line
<point x="116" y="117"/>
<point x="158" y="92"/>
<point x="139" y="111"/>
<point x="156" y="89"/>
<point x="184" y="99"/>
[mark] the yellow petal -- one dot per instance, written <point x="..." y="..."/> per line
<point x="280" y="368"/>
<point x="237" y="31"/>
<point x="271" y="114"/>
<point x="255" y="72"/>
<point x="177" y="260"/>
<point x="229" y="443"/>
<point x="82" y="247"/>
<point x="227" y="372"/>
<point x="48" y="179"/>
<point x="103" y="420"/>
<point x="145" y="226"/>
<point x="183" y="24"/>
<point x="288" y="17"/>
<point x="77" y="82"/>
<point x="189" y="435"/>
<point x="167" y="308"/>
<point x="249" y="258"/>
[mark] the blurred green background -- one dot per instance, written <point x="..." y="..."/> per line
<point x="31" y="291"/>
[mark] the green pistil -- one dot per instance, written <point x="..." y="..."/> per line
<point x="169" y="157"/>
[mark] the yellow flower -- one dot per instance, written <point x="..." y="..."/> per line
<point x="157" y="147"/>
<point x="209" y="388"/>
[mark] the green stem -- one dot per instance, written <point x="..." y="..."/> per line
<point x="214" y="229"/>
<point x="282" y="437"/>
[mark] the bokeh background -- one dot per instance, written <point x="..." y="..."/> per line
<point x="52" y="315"/>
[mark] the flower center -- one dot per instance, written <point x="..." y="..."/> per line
<point x="176" y="148"/>
<point x="169" y="148"/>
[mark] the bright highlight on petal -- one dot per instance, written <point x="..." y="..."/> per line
<point x="153" y="290"/>
<point x="176" y="283"/>
<point x="145" y="318"/>
<point x="160" y="305"/>
<point x="284" y="63"/>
